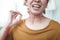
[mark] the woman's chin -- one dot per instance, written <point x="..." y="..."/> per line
<point x="36" y="12"/>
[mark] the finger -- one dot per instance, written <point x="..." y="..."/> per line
<point x="15" y="13"/>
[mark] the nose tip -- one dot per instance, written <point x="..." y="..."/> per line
<point x="37" y="0"/>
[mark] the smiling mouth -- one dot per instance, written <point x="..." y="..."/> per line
<point x="36" y="6"/>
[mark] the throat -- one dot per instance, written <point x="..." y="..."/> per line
<point x="38" y="25"/>
<point x="36" y="19"/>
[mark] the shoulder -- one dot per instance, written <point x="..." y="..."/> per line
<point x="15" y="26"/>
<point x="55" y="23"/>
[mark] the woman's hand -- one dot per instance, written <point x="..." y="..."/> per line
<point x="14" y="18"/>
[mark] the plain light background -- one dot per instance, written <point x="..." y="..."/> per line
<point x="7" y="5"/>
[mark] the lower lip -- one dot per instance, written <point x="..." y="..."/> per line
<point x="36" y="8"/>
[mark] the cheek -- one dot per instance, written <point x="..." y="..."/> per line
<point x="29" y="1"/>
<point x="44" y="2"/>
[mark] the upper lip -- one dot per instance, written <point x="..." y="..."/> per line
<point x="36" y="4"/>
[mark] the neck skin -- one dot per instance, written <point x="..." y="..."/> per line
<point x="35" y="18"/>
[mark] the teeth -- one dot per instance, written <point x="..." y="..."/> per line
<point x="36" y="6"/>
